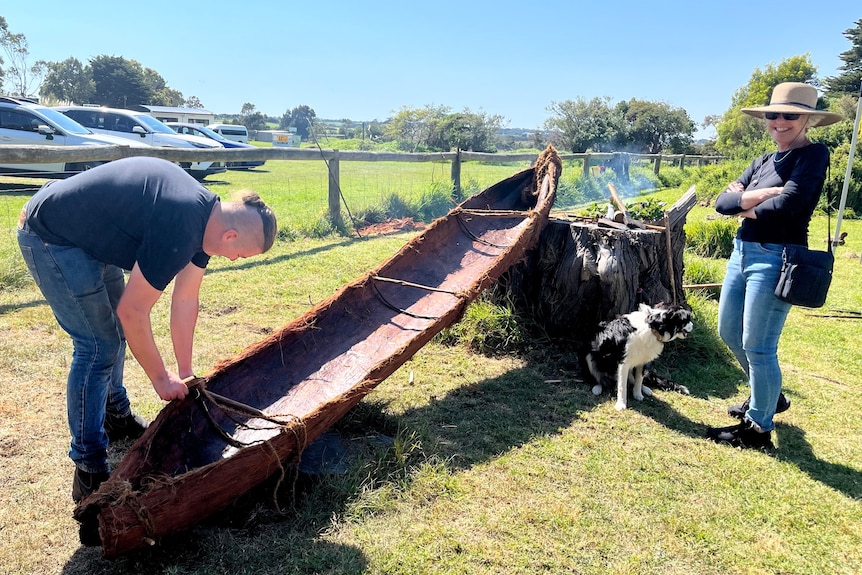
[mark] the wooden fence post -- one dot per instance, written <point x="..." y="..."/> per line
<point x="334" y="192"/>
<point x="586" y="165"/>
<point x="456" y="175"/>
<point x="657" y="164"/>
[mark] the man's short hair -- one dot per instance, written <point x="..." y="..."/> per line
<point x="267" y="217"/>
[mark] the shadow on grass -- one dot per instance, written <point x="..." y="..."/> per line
<point x="795" y="449"/>
<point x="465" y="427"/>
<point x="252" y="263"/>
<point x="281" y="550"/>
<point x="6" y="308"/>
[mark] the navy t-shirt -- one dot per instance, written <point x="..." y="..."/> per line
<point x="135" y="210"/>
<point x="782" y="219"/>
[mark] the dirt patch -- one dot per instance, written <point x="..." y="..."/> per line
<point x="392" y="227"/>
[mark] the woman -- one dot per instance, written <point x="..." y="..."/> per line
<point x="774" y="199"/>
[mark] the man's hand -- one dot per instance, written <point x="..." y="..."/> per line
<point x="170" y="387"/>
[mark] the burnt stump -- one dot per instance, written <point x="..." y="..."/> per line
<point x="582" y="272"/>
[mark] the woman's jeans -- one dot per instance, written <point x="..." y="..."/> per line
<point x="750" y="320"/>
<point x="83" y="294"/>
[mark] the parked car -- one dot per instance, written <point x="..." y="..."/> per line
<point x="142" y="127"/>
<point x="235" y="132"/>
<point x="204" y="132"/>
<point x="29" y="124"/>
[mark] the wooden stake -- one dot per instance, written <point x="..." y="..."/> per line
<point x="670" y="257"/>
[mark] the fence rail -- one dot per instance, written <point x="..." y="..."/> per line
<point x="619" y="161"/>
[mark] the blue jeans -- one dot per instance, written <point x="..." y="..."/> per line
<point x="83" y="294"/>
<point x="750" y="320"/>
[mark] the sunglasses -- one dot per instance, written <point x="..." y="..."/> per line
<point x="774" y="116"/>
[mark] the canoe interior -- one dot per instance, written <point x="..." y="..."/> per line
<point x="351" y="337"/>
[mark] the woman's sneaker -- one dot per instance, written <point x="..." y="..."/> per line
<point x="129" y="426"/>
<point x="738" y="410"/>
<point x="741" y="435"/>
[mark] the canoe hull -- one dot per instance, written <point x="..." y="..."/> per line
<point x="201" y="453"/>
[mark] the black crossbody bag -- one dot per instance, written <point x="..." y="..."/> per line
<point x="806" y="274"/>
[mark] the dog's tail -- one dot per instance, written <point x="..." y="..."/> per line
<point x="651" y="379"/>
<point x="592" y="376"/>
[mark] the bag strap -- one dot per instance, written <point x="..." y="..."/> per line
<point x="829" y="207"/>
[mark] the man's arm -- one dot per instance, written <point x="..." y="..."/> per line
<point x="133" y="310"/>
<point x="184" y="316"/>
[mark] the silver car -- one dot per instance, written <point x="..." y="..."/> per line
<point x="138" y="126"/>
<point x="26" y="123"/>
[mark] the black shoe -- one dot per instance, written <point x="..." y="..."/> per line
<point x="88" y="528"/>
<point x="129" y="426"/>
<point x="84" y="483"/>
<point x="741" y="435"/>
<point x="738" y="410"/>
<point x="88" y="534"/>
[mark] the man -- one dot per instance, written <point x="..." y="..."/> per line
<point x="149" y="217"/>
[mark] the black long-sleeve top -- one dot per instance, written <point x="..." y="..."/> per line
<point x="782" y="219"/>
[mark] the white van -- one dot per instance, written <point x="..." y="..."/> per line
<point x="233" y="132"/>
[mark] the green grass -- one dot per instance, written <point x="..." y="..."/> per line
<point x="298" y="190"/>
<point x="500" y="463"/>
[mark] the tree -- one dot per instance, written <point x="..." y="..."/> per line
<point x="162" y="94"/>
<point x="251" y="118"/>
<point x="407" y="127"/>
<point x="583" y="125"/>
<point x="247" y="109"/>
<point x="68" y="81"/>
<point x="463" y="130"/>
<point x="653" y="127"/>
<point x="25" y="77"/>
<point x="302" y="118"/>
<point x="193" y="102"/>
<point x="848" y="82"/>
<point x="741" y="134"/>
<point x="119" y="83"/>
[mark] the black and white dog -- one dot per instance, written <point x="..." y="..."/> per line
<point x="624" y="345"/>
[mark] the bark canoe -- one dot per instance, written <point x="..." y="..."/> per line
<point x="255" y="412"/>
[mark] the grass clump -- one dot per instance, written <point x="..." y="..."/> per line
<point x="488" y="328"/>
<point x="13" y="272"/>
<point x="711" y="238"/>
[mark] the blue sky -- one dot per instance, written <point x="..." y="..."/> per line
<point x="365" y="59"/>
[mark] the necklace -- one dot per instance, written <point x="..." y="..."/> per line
<point x="784" y="155"/>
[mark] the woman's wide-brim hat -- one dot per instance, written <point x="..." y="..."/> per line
<point x="796" y="98"/>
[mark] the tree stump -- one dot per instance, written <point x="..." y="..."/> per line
<point x="582" y="273"/>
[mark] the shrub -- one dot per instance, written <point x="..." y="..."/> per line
<point x="649" y="210"/>
<point x="323" y="227"/>
<point x="713" y="179"/>
<point x="371" y="215"/>
<point x="435" y="202"/>
<point x="394" y="206"/>
<point x="702" y="271"/>
<point x="840" y="156"/>
<point x="670" y="177"/>
<point x="288" y="234"/>
<point x="711" y="238"/>
<point x="487" y="328"/>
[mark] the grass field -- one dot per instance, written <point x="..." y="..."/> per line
<point x="502" y="464"/>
